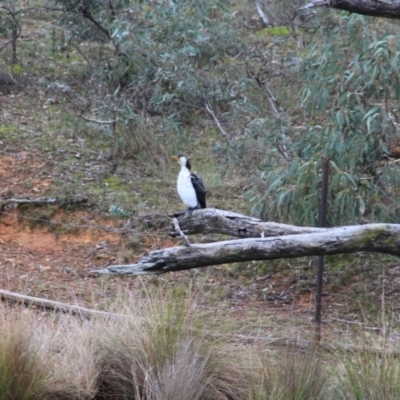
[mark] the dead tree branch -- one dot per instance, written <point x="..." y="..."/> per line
<point x="374" y="8"/>
<point x="92" y="120"/>
<point x="44" y="200"/>
<point x="381" y="238"/>
<point x="262" y="14"/>
<point x="50" y="304"/>
<point x="181" y="234"/>
<point x="213" y="220"/>
<point x="227" y="137"/>
<point x="261" y="81"/>
<point x="84" y="8"/>
<point x="220" y="127"/>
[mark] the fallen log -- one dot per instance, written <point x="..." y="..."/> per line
<point x="51" y="304"/>
<point x="75" y="199"/>
<point x="382" y="238"/>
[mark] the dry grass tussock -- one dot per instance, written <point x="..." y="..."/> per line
<point x="156" y="351"/>
<point x="163" y="354"/>
<point x="44" y="357"/>
<point x="161" y="347"/>
<point x="370" y="373"/>
<point x="291" y="374"/>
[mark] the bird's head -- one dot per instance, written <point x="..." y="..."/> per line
<point x="182" y="160"/>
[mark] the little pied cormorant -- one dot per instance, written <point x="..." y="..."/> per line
<point x="190" y="187"/>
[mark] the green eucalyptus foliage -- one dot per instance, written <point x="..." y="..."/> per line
<point x="154" y="66"/>
<point x="167" y="52"/>
<point x="5" y="24"/>
<point x="350" y="103"/>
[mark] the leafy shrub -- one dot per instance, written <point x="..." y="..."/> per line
<point x="165" y="53"/>
<point x="350" y="102"/>
<point x="153" y="66"/>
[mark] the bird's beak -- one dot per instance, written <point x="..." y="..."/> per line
<point x="176" y="158"/>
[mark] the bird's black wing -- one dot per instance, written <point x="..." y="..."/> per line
<point x="199" y="189"/>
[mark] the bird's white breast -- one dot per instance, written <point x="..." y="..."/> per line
<point x="185" y="189"/>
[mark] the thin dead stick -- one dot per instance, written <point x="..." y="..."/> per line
<point x="262" y="14"/>
<point x="93" y="120"/>
<point x="345" y="321"/>
<point x="181" y="234"/>
<point x="221" y="129"/>
<point x="53" y="305"/>
<point x="277" y="341"/>
<point x="315" y="3"/>
<point x="226" y="135"/>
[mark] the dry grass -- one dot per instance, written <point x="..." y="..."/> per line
<point x="292" y="374"/>
<point x="23" y="372"/>
<point x="160" y="347"/>
<point x="155" y="350"/>
<point x="159" y="352"/>
<point x="44" y="358"/>
<point x="370" y="374"/>
<point x="70" y="348"/>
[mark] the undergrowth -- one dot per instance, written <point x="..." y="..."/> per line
<point x="158" y="347"/>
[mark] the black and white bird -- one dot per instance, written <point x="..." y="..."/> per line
<point x="190" y="187"/>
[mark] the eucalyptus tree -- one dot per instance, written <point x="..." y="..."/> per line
<point x="350" y="112"/>
<point x="280" y="98"/>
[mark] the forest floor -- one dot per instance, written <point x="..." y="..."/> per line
<point x="47" y="251"/>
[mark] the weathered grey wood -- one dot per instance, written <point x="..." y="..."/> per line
<point x="213" y="220"/>
<point x="383" y="238"/>
<point x="51" y="304"/>
<point x="181" y="234"/>
<point x="374" y="8"/>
